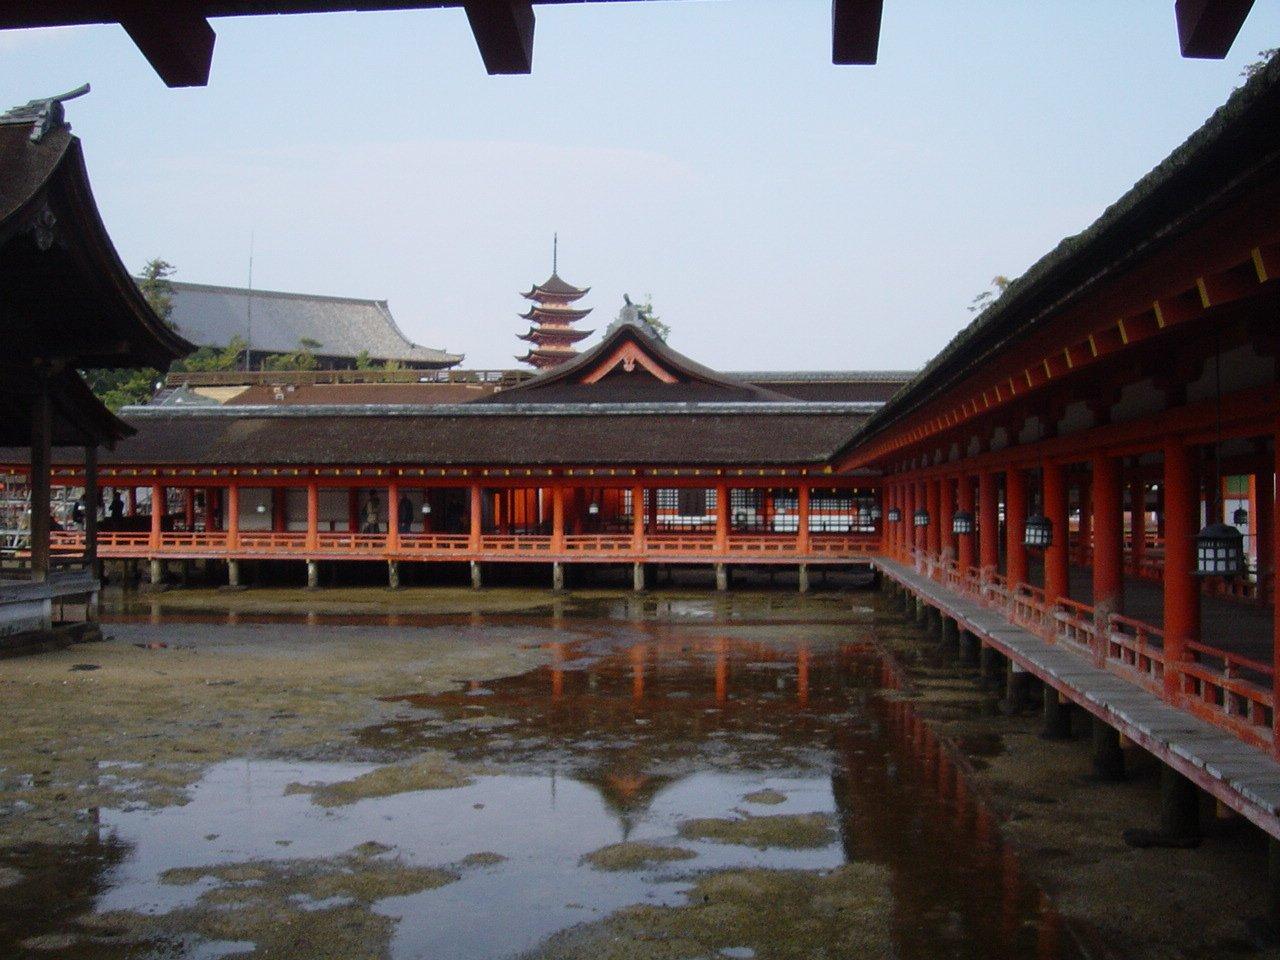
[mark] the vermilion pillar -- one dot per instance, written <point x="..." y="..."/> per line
<point x="722" y="518"/>
<point x="476" y="517"/>
<point x="933" y="494"/>
<point x="1181" y="591"/>
<point x="557" y="519"/>
<point x="964" y="546"/>
<point x="1106" y="497"/>
<point x="157" y="514"/>
<point x="1015" y="519"/>
<point x="189" y="508"/>
<point x="988" y="524"/>
<point x="1086" y="518"/>
<point x="917" y="499"/>
<point x="233" y="516"/>
<point x="1273" y="531"/>
<point x="637" y="518"/>
<point x="313" y="515"/>
<point x="393" y="516"/>
<point x="1264" y="521"/>
<point x="946" y="507"/>
<point x="802" y="518"/>
<point x="1057" y="556"/>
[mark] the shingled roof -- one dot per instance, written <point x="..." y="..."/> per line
<point x="275" y="322"/>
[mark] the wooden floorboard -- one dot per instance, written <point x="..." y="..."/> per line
<point x="1244" y="777"/>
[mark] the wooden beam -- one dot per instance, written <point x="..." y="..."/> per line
<point x="504" y="33"/>
<point x="855" y="31"/>
<point x="1208" y="28"/>
<point x="177" y="43"/>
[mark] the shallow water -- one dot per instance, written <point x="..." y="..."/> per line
<point x="639" y="723"/>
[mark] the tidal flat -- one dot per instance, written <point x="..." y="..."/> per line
<point x="596" y="774"/>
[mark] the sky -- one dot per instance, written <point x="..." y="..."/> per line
<point x="781" y="212"/>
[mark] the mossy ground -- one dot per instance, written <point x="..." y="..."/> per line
<point x="775" y="914"/>
<point x="635" y="855"/>
<point x="791" y="830"/>
<point x="430" y="771"/>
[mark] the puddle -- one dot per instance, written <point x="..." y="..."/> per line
<point x="635" y="729"/>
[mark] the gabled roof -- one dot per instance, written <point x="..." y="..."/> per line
<point x="67" y="296"/>
<point x="554" y="287"/>
<point x="633" y="365"/>
<point x="275" y="322"/>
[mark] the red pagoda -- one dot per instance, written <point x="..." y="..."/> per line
<point x="551" y="320"/>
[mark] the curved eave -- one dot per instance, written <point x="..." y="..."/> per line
<point x="567" y="314"/>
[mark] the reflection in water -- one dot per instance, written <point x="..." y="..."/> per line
<point x="633" y="727"/>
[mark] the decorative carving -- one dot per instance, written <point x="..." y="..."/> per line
<point x="46" y="114"/>
<point x="45" y="227"/>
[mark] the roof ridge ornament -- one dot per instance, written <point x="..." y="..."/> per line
<point x="45" y="114"/>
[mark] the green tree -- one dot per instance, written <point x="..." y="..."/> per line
<point x="303" y="358"/>
<point x="213" y="358"/>
<point x="125" y="387"/>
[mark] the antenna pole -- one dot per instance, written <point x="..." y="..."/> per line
<point x="248" y="313"/>
<point x="555" y="253"/>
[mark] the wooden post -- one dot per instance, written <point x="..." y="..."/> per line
<point x="1263" y="520"/>
<point x="157" y="515"/>
<point x="189" y="507"/>
<point x="476" y="518"/>
<point x="802" y="519"/>
<point x="1107" y="524"/>
<point x="1273" y="531"/>
<point x="965" y="551"/>
<point x="1057" y="556"/>
<point x="313" y="515"/>
<point x="637" y="519"/>
<point x="557" y="519"/>
<point x="91" y="510"/>
<point x="132" y="499"/>
<point x="722" y="518"/>
<point x="1181" y="589"/>
<point x="393" y="518"/>
<point x="41" y="441"/>
<point x="919" y="537"/>
<point x="353" y="509"/>
<point x="946" y="508"/>
<point x="233" y="516"/>
<point x="1015" y="519"/>
<point x="279" y="510"/>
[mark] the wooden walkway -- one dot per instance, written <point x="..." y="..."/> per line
<point x="1243" y="777"/>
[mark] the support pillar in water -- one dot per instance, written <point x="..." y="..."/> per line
<point x="393" y="574"/>
<point x="637" y="577"/>
<point x="233" y="573"/>
<point x="157" y="572"/>
<point x="476" y="581"/>
<point x="1108" y="758"/>
<point x="802" y="572"/>
<point x="922" y="612"/>
<point x="1179" y="815"/>
<point x="1017" y="680"/>
<point x="313" y="575"/>
<point x="950" y="633"/>
<point x="722" y="577"/>
<point x="557" y="576"/>
<point x="969" y="649"/>
<point x="1056" y="714"/>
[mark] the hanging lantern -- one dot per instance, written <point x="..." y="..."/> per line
<point x="1241" y="517"/>
<point x="1038" y="531"/>
<point x="895" y="515"/>
<point x="962" y="522"/>
<point x="1219" y="551"/>
<point x="873" y="511"/>
<point x="593" y="509"/>
<point x="261" y="508"/>
<point x="922" y="517"/>
<point x="426" y="508"/>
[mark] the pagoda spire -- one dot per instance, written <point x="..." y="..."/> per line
<point x="551" y="317"/>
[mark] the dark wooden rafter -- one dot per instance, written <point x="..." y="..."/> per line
<point x="1208" y="28"/>
<point x="504" y="33"/>
<point x="176" y="42"/>
<point x="855" y="31"/>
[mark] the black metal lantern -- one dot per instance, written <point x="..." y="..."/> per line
<point x="1220" y="551"/>
<point x="962" y="522"/>
<point x="1241" y="517"/>
<point x="1038" y="531"/>
<point x="921" y="517"/>
<point x="873" y="511"/>
<point x="895" y="515"/>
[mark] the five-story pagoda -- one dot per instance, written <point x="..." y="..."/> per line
<point x="551" y="319"/>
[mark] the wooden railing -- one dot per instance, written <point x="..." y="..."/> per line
<point x="1228" y="689"/>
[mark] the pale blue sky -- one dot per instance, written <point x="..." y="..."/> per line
<point x="782" y="212"/>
